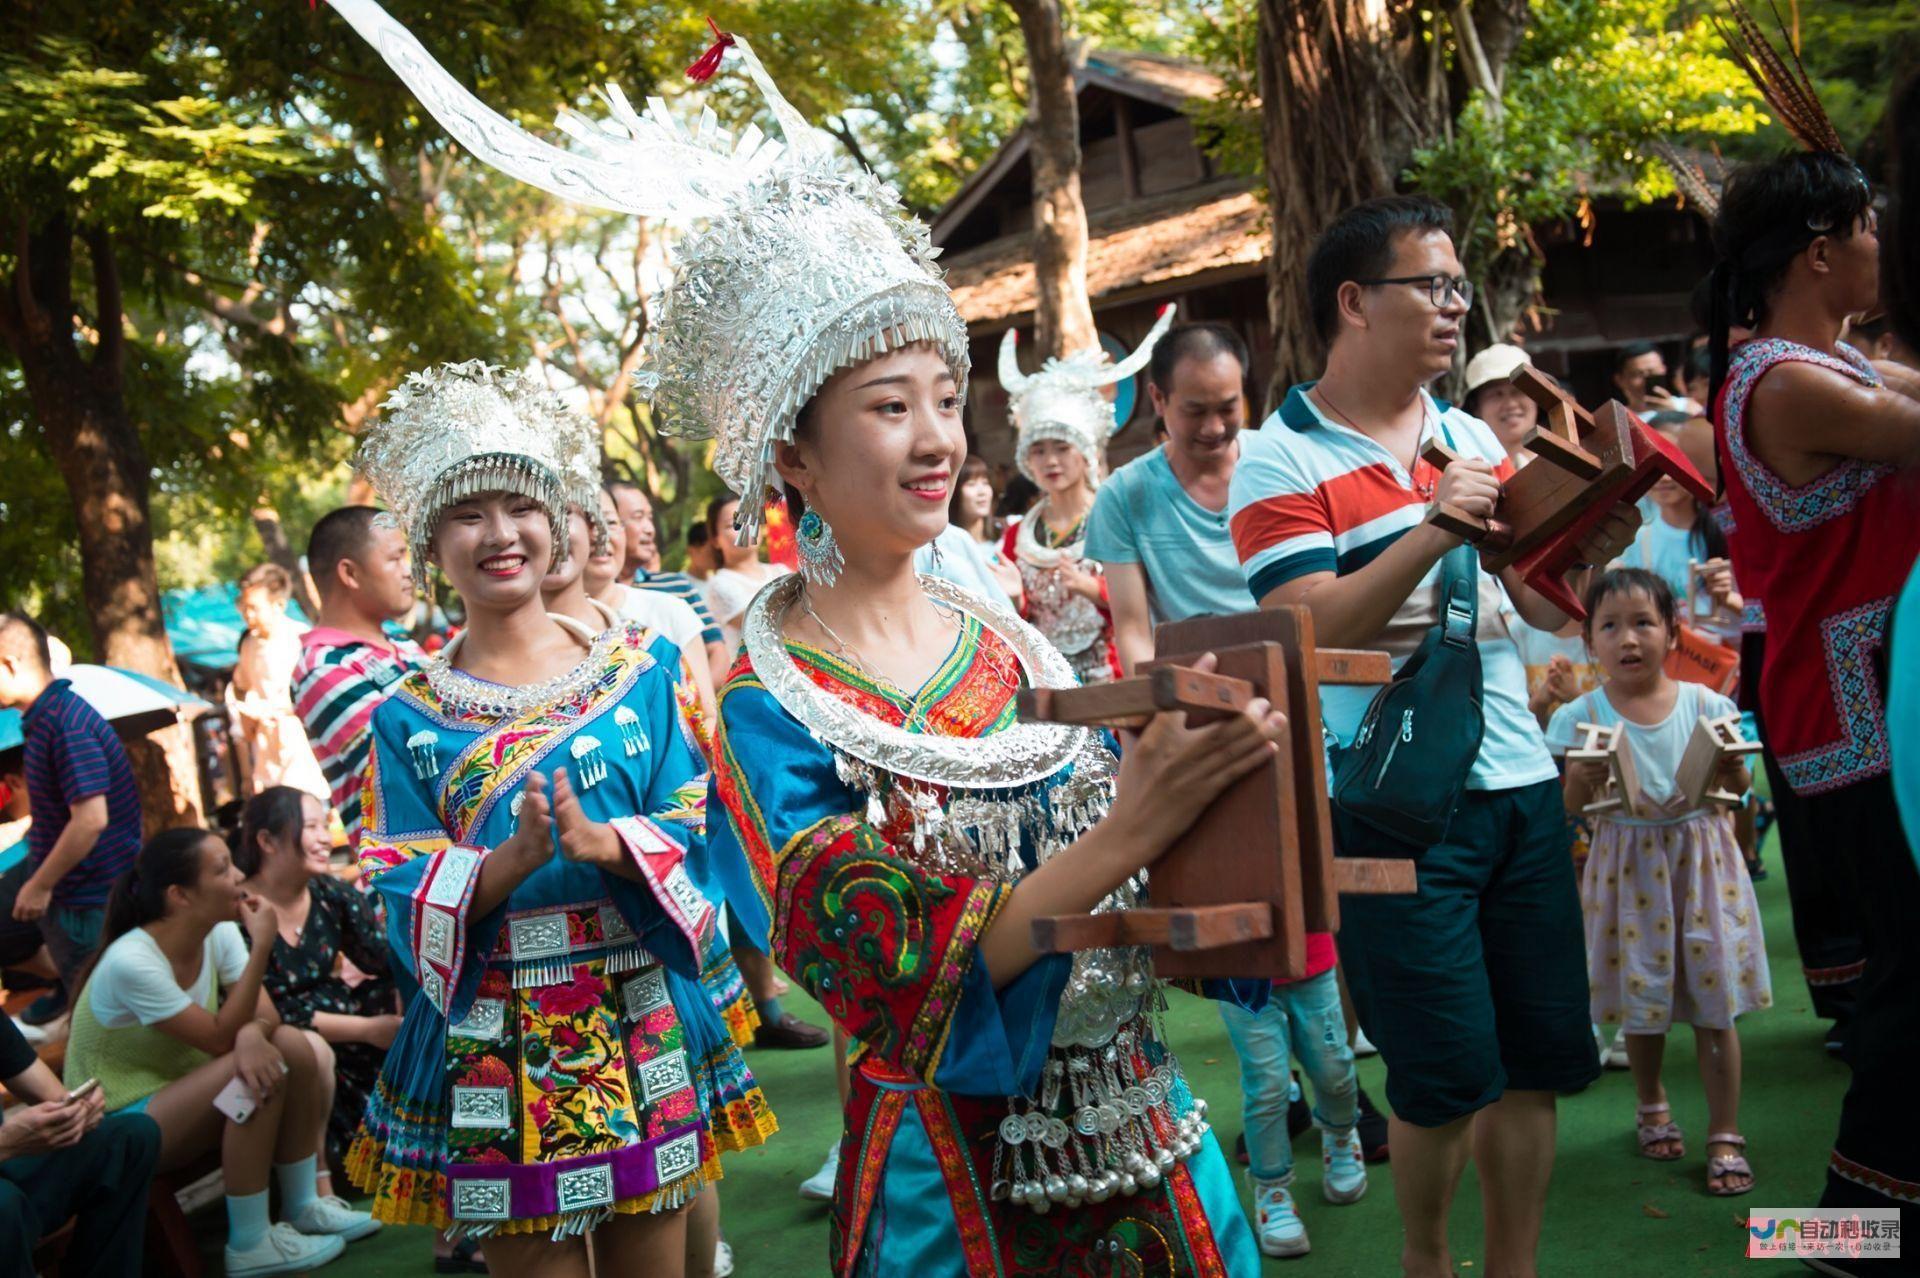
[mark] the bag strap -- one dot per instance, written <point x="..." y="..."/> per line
<point x="1459" y="584"/>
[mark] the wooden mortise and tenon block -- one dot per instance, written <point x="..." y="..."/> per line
<point x="1621" y="793"/>
<point x="1586" y="466"/>
<point x="1713" y="742"/>
<point x="1237" y="894"/>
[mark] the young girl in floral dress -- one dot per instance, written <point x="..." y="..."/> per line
<point x="1673" y="930"/>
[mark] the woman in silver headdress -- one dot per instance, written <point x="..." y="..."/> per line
<point x="1061" y="421"/>
<point x="532" y="798"/>
<point x="891" y="828"/>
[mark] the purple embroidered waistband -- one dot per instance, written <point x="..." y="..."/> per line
<point x="478" y="1192"/>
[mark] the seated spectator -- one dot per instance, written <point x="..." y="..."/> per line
<point x="174" y="1023"/>
<point x="85" y="806"/>
<point x="61" y="1159"/>
<point x="283" y="850"/>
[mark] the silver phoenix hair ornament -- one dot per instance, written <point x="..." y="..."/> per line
<point x="801" y="263"/>
<point x="1063" y="400"/>
<point x="456" y="431"/>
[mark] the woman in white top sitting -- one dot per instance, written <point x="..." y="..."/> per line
<point x="741" y="572"/>
<point x="173" y="1023"/>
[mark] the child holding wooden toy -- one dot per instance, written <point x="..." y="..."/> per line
<point x="1673" y="930"/>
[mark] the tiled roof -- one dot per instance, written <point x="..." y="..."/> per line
<point x="1142" y="243"/>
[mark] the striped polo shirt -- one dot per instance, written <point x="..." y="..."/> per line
<point x="71" y="753"/>
<point x="1313" y="495"/>
<point x="339" y="680"/>
<point x="687" y="590"/>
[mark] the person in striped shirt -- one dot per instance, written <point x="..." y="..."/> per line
<point x="1474" y="987"/>
<point x="643" y="557"/>
<point x="359" y="565"/>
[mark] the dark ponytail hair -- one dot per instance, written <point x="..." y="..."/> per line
<point x="170" y="858"/>
<point x="277" y="810"/>
<point x="1768" y="215"/>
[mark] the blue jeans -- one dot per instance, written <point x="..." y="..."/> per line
<point x="1302" y="1020"/>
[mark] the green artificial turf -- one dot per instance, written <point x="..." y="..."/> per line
<point x="1609" y="1211"/>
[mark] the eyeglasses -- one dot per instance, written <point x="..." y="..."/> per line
<point x="1437" y="286"/>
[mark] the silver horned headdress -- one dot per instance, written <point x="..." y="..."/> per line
<point x="1063" y="400"/>
<point x="459" y="430"/>
<point x="801" y="262"/>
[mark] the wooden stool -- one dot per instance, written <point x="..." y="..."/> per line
<point x="1609" y="746"/>
<point x="1586" y="466"/>
<point x="1713" y="742"/>
<point x="1237" y="894"/>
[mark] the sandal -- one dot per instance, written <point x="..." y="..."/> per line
<point x="1651" y="1134"/>
<point x="1723" y="1165"/>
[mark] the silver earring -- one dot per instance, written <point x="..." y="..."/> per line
<point x="820" y="557"/>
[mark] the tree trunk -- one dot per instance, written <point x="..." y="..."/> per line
<point x="1348" y="89"/>
<point x="80" y="409"/>
<point x="1063" y="317"/>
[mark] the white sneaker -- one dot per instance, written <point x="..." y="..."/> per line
<point x="331" y="1215"/>
<point x="1343" y="1168"/>
<point x="283" y="1250"/>
<point x="1362" y="1045"/>
<point x="722" y="1259"/>
<point x="819" y="1186"/>
<point x="1615" y="1057"/>
<point x="1275" y="1222"/>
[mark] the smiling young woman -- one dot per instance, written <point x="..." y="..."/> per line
<point x="562" y="1071"/>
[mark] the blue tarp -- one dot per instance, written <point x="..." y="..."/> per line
<point x="204" y="625"/>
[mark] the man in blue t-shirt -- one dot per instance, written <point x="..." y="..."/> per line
<point x="1159" y="523"/>
<point x="81" y="793"/>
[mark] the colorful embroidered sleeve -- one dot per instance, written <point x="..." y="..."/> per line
<point x="890" y="948"/>
<point x="425" y="879"/>
<point x="673" y="826"/>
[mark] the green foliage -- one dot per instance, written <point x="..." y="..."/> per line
<point x="1591" y="84"/>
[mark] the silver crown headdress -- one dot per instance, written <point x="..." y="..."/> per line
<point x="804" y="263"/>
<point x="456" y="431"/>
<point x="579" y="443"/>
<point x="1063" y="400"/>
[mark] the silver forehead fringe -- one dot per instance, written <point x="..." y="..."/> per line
<point x="1112" y="1112"/>
<point x="489" y="473"/>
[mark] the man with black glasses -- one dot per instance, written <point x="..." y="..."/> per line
<point x="1475" y="987"/>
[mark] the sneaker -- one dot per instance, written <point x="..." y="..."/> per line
<point x="331" y="1215"/>
<point x="1275" y="1222"/>
<point x="47" y="1007"/>
<point x="790" y="1032"/>
<point x="1343" y="1169"/>
<point x="723" y="1259"/>
<point x="1372" y="1128"/>
<point x="283" y="1250"/>
<point x="1615" y="1057"/>
<point x="1362" y="1045"/>
<point x="819" y="1186"/>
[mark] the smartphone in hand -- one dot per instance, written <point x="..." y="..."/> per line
<point x="83" y="1091"/>
<point x="236" y="1100"/>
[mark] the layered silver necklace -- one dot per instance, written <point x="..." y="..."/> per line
<point x="1111" y="1112"/>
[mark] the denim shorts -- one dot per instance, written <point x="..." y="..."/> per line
<point x="1477" y="982"/>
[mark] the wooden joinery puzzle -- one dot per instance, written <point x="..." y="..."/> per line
<point x="1238" y="893"/>
<point x="1713" y="742"/>
<point x="1609" y="746"/>
<point x="1586" y="466"/>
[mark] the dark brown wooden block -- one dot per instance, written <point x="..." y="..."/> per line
<point x="1238" y="893"/>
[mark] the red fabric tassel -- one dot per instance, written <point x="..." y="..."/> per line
<point x="709" y="62"/>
